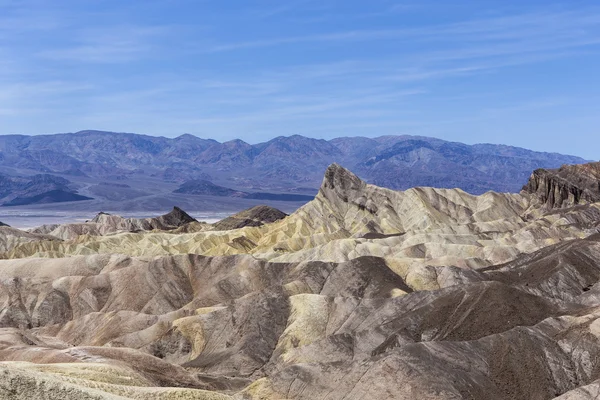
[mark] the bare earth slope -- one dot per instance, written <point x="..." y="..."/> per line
<point x="106" y="224"/>
<point x="363" y="293"/>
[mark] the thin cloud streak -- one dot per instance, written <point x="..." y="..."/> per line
<point x="563" y="25"/>
<point x="113" y="45"/>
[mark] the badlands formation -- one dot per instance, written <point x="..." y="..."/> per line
<point x="363" y="293"/>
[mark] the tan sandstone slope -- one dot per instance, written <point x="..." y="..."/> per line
<point x="363" y="293"/>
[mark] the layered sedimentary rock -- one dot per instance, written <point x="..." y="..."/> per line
<point x="255" y="216"/>
<point x="175" y="222"/>
<point x="350" y="218"/>
<point x="567" y="186"/>
<point x="363" y="293"/>
<point x="107" y="224"/>
<point x="12" y="237"/>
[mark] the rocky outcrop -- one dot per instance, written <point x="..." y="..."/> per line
<point x="12" y="237"/>
<point x="107" y="224"/>
<point x="255" y="216"/>
<point x="174" y="219"/>
<point x="567" y="186"/>
<point x="82" y="380"/>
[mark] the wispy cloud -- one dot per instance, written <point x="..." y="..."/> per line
<point x="567" y="27"/>
<point x="357" y="35"/>
<point x="108" y="44"/>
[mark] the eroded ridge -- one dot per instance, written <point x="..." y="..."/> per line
<point x="363" y="293"/>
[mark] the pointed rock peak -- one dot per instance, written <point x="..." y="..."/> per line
<point x="567" y="186"/>
<point x="99" y="216"/>
<point x="265" y="214"/>
<point x="339" y="178"/>
<point x="186" y="136"/>
<point x="341" y="184"/>
<point x="177" y="217"/>
<point x="2" y="224"/>
<point x="236" y="142"/>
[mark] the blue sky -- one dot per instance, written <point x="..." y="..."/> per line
<point x="524" y="73"/>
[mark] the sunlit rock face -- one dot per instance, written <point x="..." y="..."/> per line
<point x="363" y="293"/>
<point x="567" y="186"/>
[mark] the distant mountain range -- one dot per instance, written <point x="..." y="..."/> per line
<point x="129" y="170"/>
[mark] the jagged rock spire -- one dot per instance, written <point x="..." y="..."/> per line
<point x="340" y="182"/>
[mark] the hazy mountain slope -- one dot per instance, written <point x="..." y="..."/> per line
<point x="53" y="196"/>
<point x="404" y="162"/>
<point x="204" y="187"/>
<point x="207" y="188"/>
<point x="37" y="189"/>
<point x="13" y="187"/>
<point x="155" y="166"/>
